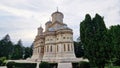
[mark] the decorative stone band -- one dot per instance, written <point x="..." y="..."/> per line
<point x="39" y="37"/>
<point x="57" y="43"/>
<point x="61" y="31"/>
<point x="53" y="33"/>
<point x="38" y="46"/>
<point x="64" y="32"/>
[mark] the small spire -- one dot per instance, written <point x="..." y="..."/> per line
<point x="49" y="18"/>
<point x="57" y="9"/>
<point x="40" y="25"/>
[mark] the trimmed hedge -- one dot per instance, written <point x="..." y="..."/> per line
<point x="10" y="64"/>
<point x="84" y="64"/>
<point x="75" y="65"/>
<point x="53" y="65"/>
<point x="44" y="65"/>
<point x="2" y="61"/>
<point x="21" y="65"/>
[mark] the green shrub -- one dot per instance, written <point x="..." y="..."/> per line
<point x="75" y="65"/>
<point x="25" y="65"/>
<point x="2" y="59"/>
<point x="3" y="64"/>
<point x="44" y="65"/>
<point x="53" y="65"/>
<point x="117" y="62"/>
<point x="10" y="64"/>
<point x="21" y="65"/>
<point x="84" y="64"/>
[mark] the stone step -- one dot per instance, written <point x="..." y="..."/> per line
<point x="64" y="65"/>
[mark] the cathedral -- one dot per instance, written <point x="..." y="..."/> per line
<point x="55" y="44"/>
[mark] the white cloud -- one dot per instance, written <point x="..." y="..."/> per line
<point x="17" y="12"/>
<point x="21" y="18"/>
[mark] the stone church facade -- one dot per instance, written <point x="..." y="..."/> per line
<point x="55" y="44"/>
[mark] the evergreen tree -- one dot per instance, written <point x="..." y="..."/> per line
<point x="100" y="41"/>
<point x="94" y="38"/>
<point x="114" y="33"/>
<point x="18" y="50"/>
<point x="11" y="51"/>
<point x="78" y="49"/>
<point x="83" y="31"/>
<point x="28" y="52"/>
<point x="6" y="47"/>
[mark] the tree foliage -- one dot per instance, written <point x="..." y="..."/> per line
<point x="18" y="51"/>
<point x="114" y="33"/>
<point x="13" y="51"/>
<point x="78" y="49"/>
<point x="28" y="52"/>
<point x="94" y="38"/>
<point x="6" y="47"/>
<point x="44" y="65"/>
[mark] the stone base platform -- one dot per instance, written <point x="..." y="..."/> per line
<point x="64" y="65"/>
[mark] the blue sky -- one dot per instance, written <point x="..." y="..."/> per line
<point x="21" y="18"/>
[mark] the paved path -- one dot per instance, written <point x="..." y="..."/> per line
<point x="3" y="67"/>
<point x="37" y="64"/>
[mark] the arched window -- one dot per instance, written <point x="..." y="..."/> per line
<point x="64" y="48"/>
<point x="57" y="48"/>
<point x="47" y="48"/>
<point x="42" y="49"/>
<point x="34" y="50"/>
<point x="50" y="48"/>
<point x="71" y="47"/>
<point x="68" y="47"/>
<point x="38" y="50"/>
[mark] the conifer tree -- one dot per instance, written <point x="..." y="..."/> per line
<point x="94" y="38"/>
<point x="114" y="33"/>
<point x="18" y="50"/>
<point x="6" y="47"/>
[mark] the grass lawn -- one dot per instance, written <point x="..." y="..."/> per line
<point x="113" y="67"/>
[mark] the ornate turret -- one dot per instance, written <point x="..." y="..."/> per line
<point x="57" y="16"/>
<point x="47" y="24"/>
<point x="40" y="30"/>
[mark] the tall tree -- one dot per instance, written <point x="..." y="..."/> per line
<point x="83" y="30"/>
<point x="28" y="52"/>
<point x="78" y="49"/>
<point x="6" y="47"/>
<point x="114" y="32"/>
<point x="93" y="37"/>
<point x="18" y="50"/>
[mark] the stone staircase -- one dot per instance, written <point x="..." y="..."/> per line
<point x="64" y="65"/>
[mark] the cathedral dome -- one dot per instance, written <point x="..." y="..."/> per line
<point x="57" y="16"/>
<point x="40" y="30"/>
<point x="57" y="12"/>
<point x="48" y="22"/>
